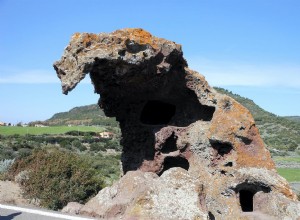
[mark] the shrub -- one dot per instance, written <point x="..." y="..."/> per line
<point x="57" y="177"/>
<point x="97" y="147"/>
<point x="24" y="152"/>
<point x="77" y="144"/>
<point x="66" y="144"/>
<point x="7" y="153"/>
<point x="5" y="165"/>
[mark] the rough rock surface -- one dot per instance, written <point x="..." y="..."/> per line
<point x="11" y="193"/>
<point x="72" y="208"/>
<point x="192" y="153"/>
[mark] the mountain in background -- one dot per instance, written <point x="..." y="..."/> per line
<point x="84" y="115"/>
<point x="281" y="133"/>
<point x="293" y="118"/>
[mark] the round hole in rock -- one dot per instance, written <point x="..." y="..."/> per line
<point x="246" y="200"/>
<point x="171" y="162"/>
<point x="157" y="112"/>
<point x="170" y="144"/>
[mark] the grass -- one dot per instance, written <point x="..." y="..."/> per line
<point x="290" y="174"/>
<point x="11" y="130"/>
<point x="287" y="159"/>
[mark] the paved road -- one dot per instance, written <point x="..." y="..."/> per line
<point x="8" y="212"/>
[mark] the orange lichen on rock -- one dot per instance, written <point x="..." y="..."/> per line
<point x="254" y="154"/>
<point x="139" y="35"/>
<point x="75" y="36"/>
<point x="89" y="38"/>
<point x="232" y="123"/>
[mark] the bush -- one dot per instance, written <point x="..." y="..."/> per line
<point x="66" y="144"/>
<point x="5" y="165"/>
<point x="57" y="177"/>
<point x="97" y="147"/>
<point x="77" y="144"/>
<point x="24" y="152"/>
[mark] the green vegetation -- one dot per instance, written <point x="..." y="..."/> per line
<point x="58" y="168"/>
<point x="12" y="130"/>
<point x="287" y="159"/>
<point x="84" y="115"/>
<point x="277" y="132"/>
<point x="56" y="177"/>
<point x="290" y="174"/>
<point x="293" y="118"/>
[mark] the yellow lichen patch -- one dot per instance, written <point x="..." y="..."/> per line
<point x="141" y="36"/>
<point x="288" y="193"/>
<point x="87" y="39"/>
<point x="76" y="36"/>
<point x="140" y="206"/>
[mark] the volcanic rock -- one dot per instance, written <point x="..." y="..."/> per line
<point x="188" y="151"/>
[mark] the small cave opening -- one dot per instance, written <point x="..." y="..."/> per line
<point x="170" y="144"/>
<point x="246" y="200"/>
<point x="246" y="192"/>
<point x="211" y="216"/>
<point x="171" y="162"/>
<point x="221" y="148"/>
<point x="229" y="164"/>
<point x="157" y="113"/>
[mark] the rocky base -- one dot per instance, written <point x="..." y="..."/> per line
<point x="178" y="195"/>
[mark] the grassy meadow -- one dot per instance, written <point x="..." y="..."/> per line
<point x="290" y="174"/>
<point x="287" y="159"/>
<point x="12" y="130"/>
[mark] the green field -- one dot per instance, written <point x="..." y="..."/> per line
<point x="287" y="159"/>
<point x="11" y="130"/>
<point x="290" y="174"/>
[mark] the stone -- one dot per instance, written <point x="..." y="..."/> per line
<point x="184" y="144"/>
<point x="72" y="208"/>
<point x="145" y="195"/>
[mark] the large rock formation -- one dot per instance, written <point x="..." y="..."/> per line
<point x="188" y="152"/>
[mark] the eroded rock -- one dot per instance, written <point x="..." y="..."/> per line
<point x="170" y="117"/>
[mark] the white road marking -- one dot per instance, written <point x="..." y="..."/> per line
<point x="43" y="213"/>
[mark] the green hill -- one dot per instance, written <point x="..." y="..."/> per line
<point x="84" y="115"/>
<point x="293" y="118"/>
<point x="281" y="133"/>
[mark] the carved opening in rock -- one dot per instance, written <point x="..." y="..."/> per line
<point x="170" y="144"/>
<point x="246" y="194"/>
<point x="229" y="164"/>
<point x="171" y="162"/>
<point x="211" y="216"/>
<point x="157" y="113"/>
<point x="246" y="200"/>
<point x="221" y="148"/>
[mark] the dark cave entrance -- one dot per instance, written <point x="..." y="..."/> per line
<point x="170" y="144"/>
<point x="221" y="148"/>
<point x="246" y="200"/>
<point x="157" y="113"/>
<point x="171" y="162"/>
<point x="245" y="193"/>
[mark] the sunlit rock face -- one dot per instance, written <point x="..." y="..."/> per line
<point x="173" y="121"/>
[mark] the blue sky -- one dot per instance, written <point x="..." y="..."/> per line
<point x="250" y="47"/>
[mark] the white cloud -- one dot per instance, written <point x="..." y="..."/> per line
<point x="219" y="73"/>
<point x="15" y="76"/>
